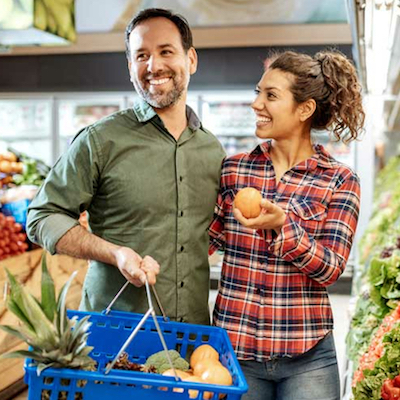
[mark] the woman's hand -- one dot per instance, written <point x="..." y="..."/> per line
<point x="271" y="217"/>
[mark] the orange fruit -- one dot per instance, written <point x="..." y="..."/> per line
<point x="248" y="201"/>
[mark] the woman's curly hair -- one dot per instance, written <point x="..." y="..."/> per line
<point x="331" y="80"/>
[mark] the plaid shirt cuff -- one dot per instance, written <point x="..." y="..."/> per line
<point x="291" y="242"/>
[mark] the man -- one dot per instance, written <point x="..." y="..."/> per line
<point x="148" y="177"/>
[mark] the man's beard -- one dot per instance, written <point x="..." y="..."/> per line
<point x="163" y="99"/>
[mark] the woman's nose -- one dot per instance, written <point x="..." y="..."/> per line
<point x="256" y="104"/>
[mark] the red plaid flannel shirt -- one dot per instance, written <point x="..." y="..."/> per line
<point x="272" y="295"/>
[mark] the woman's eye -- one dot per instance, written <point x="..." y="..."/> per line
<point x="256" y="92"/>
<point x="271" y="95"/>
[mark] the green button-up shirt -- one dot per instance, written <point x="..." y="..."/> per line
<point x="144" y="190"/>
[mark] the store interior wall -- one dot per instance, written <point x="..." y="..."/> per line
<point x="219" y="69"/>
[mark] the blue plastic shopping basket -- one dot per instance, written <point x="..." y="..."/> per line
<point x="107" y="334"/>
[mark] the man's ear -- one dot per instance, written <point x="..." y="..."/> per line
<point x="192" y="54"/>
<point x="307" y="109"/>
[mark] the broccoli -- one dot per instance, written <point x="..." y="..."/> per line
<point x="160" y="361"/>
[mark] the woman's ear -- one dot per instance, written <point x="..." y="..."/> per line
<point x="306" y="109"/>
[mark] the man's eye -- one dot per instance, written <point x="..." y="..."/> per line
<point x="141" y="57"/>
<point x="166" y="52"/>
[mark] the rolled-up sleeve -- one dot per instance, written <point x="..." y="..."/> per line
<point x="66" y="192"/>
<point x="323" y="260"/>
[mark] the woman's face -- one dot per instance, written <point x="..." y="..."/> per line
<point x="276" y="111"/>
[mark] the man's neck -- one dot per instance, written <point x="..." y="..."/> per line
<point x="174" y="118"/>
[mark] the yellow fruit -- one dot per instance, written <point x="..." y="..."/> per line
<point x="9" y="156"/>
<point x="203" y="365"/>
<point x="202" y="352"/>
<point x="5" y="167"/>
<point x="40" y="21"/>
<point x="194" y="393"/>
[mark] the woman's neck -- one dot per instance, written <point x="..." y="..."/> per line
<point x="286" y="154"/>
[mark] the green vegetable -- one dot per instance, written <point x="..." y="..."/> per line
<point x="160" y="361"/>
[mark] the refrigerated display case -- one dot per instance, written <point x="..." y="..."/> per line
<point x="26" y="126"/>
<point x="76" y="112"/>
<point x="43" y="126"/>
<point x="229" y="116"/>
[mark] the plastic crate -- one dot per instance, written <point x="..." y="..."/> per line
<point x="107" y="334"/>
<point x="18" y="210"/>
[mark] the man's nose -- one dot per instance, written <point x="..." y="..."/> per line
<point x="154" y="64"/>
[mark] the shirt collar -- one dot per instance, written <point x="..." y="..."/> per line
<point x="145" y="112"/>
<point x="321" y="157"/>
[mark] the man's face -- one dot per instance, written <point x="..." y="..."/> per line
<point x="159" y="67"/>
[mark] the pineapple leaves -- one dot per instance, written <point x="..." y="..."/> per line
<point x="61" y="307"/>
<point x="54" y="339"/>
<point x="14" y="331"/>
<point x="14" y="301"/>
<point x="22" y="354"/>
<point x="14" y="308"/>
<point x="48" y="303"/>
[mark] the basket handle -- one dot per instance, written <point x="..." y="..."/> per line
<point x="149" y="312"/>
<point x="108" y="309"/>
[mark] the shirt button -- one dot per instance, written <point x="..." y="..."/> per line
<point x="182" y="283"/>
<point x="181" y="214"/>
<point x="182" y="248"/>
<point x="181" y="178"/>
<point x="180" y="319"/>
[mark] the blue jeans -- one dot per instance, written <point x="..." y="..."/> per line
<point x="313" y="375"/>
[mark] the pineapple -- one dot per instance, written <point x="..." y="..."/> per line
<point x="55" y="340"/>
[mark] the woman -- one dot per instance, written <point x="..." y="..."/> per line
<point x="272" y="298"/>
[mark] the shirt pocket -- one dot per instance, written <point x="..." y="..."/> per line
<point x="308" y="210"/>
<point x="309" y="214"/>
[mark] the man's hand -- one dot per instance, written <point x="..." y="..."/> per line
<point x="135" y="268"/>
<point x="151" y="268"/>
<point x="271" y="217"/>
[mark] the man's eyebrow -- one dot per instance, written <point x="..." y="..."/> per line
<point x="161" y="46"/>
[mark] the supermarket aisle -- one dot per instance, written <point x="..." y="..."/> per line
<point x="340" y="303"/>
